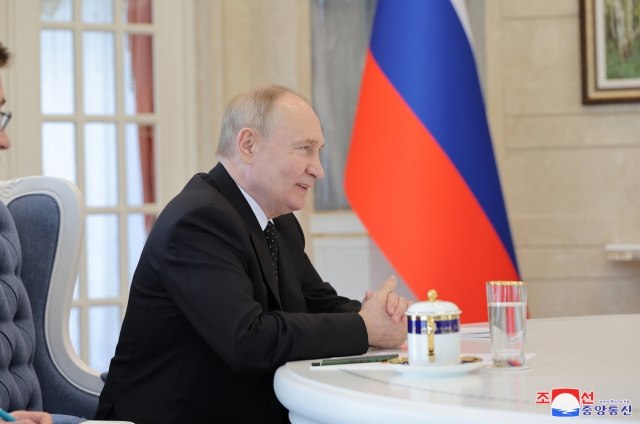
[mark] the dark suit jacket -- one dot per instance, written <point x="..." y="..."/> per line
<point x="207" y="324"/>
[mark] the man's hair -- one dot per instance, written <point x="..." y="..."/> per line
<point x="253" y="109"/>
<point x="4" y="56"/>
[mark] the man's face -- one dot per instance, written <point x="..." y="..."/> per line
<point x="287" y="163"/>
<point x="5" y="143"/>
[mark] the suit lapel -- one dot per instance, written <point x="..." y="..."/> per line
<point x="292" y="298"/>
<point x="266" y="265"/>
<point x="229" y="189"/>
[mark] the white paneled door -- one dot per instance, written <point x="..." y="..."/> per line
<point x="104" y="104"/>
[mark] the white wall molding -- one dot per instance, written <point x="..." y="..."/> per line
<point x="347" y="257"/>
<point x="337" y="223"/>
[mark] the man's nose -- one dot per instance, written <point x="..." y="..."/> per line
<point x="315" y="168"/>
<point x="5" y="141"/>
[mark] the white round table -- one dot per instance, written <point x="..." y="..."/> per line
<point x="597" y="354"/>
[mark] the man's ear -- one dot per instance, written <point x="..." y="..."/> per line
<point x="246" y="144"/>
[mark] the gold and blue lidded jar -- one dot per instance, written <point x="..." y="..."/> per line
<point x="433" y="332"/>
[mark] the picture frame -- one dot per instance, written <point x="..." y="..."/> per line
<point x="610" y="44"/>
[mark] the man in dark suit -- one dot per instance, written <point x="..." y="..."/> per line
<point x="224" y="294"/>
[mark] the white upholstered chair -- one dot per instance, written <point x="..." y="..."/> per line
<point x="49" y="220"/>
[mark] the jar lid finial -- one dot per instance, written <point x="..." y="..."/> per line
<point x="432" y="295"/>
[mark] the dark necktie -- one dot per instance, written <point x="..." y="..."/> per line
<point x="272" y="241"/>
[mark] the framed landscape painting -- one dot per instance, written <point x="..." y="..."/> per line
<point x="610" y="37"/>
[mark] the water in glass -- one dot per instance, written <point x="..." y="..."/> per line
<point x="507" y="322"/>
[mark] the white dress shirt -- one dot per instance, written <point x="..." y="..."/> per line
<point x="257" y="210"/>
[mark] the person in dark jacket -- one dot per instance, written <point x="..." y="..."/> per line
<point x="224" y="293"/>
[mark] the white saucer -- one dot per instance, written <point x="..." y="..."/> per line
<point x="436" y="370"/>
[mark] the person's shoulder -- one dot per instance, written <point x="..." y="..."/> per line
<point x="200" y="189"/>
<point x="198" y="192"/>
<point x="199" y="199"/>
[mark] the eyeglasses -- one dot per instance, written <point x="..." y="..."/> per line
<point x="5" y="117"/>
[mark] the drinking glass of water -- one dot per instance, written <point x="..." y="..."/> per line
<point x="507" y="303"/>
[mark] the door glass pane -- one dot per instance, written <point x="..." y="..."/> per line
<point x="59" y="150"/>
<point x="101" y="164"/>
<point x="103" y="264"/>
<point x="56" y="10"/>
<point x="99" y="73"/>
<point x="104" y="328"/>
<point x="97" y="11"/>
<point x="138" y="74"/>
<point x="56" y="72"/>
<point x="74" y="329"/>
<point x="140" y="162"/>
<point x="137" y="11"/>
<point x="138" y="227"/>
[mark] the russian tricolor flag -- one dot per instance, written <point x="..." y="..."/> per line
<point x="421" y="173"/>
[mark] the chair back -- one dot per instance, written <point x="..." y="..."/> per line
<point x="49" y="220"/>
<point x="19" y="388"/>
